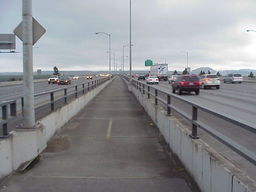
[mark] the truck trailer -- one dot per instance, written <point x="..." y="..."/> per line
<point x="160" y="70"/>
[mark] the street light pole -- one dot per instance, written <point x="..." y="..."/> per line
<point x="109" y="53"/>
<point x="109" y="48"/>
<point x="130" y="45"/>
<point x="123" y="58"/>
<point x="187" y="60"/>
<point x="28" y="83"/>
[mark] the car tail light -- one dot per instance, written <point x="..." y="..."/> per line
<point x="207" y="79"/>
<point x="182" y="83"/>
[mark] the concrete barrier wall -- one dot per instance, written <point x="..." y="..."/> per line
<point x="25" y="144"/>
<point x="211" y="171"/>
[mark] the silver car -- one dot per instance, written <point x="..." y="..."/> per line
<point x="233" y="78"/>
<point x="209" y="81"/>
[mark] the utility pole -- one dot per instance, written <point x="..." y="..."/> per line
<point x="28" y="83"/>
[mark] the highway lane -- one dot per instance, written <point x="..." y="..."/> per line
<point x="234" y="100"/>
<point x="15" y="91"/>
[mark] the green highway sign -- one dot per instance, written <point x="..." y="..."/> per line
<point x="148" y="62"/>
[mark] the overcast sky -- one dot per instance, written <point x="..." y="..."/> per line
<point x="213" y="32"/>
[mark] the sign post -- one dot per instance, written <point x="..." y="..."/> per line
<point x="29" y="31"/>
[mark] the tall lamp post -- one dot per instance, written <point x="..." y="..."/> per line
<point x="109" y="51"/>
<point x="130" y="44"/>
<point x="123" y="53"/>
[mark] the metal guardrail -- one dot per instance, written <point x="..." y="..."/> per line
<point x="48" y="101"/>
<point x="153" y="92"/>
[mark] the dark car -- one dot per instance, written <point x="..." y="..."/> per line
<point x="141" y="77"/>
<point x="64" y="80"/>
<point x="189" y="83"/>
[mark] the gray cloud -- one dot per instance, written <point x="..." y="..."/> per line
<point x="213" y="32"/>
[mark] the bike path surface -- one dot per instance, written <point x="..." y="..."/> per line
<point x="111" y="145"/>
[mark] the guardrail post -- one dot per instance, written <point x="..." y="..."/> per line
<point x="5" y="130"/>
<point x="52" y="101"/>
<point x="168" y="104"/>
<point x="65" y="96"/>
<point x="76" y="91"/>
<point x="4" y="117"/>
<point x="83" y="88"/>
<point x="13" y="109"/>
<point x="4" y="112"/>
<point x="148" y="92"/>
<point x="22" y="105"/>
<point x="156" y="94"/>
<point x="143" y="89"/>
<point x="194" y="126"/>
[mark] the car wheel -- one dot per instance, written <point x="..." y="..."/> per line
<point x="240" y="82"/>
<point x="217" y="87"/>
<point x="197" y="92"/>
<point x="173" y="90"/>
<point x="179" y="91"/>
<point x="224" y="81"/>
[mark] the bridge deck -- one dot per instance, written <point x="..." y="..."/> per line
<point x="112" y="145"/>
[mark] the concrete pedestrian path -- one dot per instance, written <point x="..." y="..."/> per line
<point x="110" y="146"/>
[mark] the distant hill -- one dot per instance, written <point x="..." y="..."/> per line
<point x="205" y="69"/>
<point x="244" y="72"/>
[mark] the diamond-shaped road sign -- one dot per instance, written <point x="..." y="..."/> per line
<point x="38" y="31"/>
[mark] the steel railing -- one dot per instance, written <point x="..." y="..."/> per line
<point x="45" y="102"/>
<point x="167" y="102"/>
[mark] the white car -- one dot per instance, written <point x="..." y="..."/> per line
<point x="75" y="78"/>
<point x="152" y="80"/>
<point x="53" y="79"/>
<point x="209" y="81"/>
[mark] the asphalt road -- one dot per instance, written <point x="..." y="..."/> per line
<point x="15" y="92"/>
<point x="237" y="101"/>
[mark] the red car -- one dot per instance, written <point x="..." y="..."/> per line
<point x="188" y="83"/>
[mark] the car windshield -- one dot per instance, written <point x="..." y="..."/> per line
<point x="190" y="78"/>
<point x="212" y="76"/>
<point x="54" y="76"/>
<point x="152" y="76"/>
<point x="237" y="75"/>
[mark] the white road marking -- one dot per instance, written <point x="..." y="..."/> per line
<point x="109" y="129"/>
